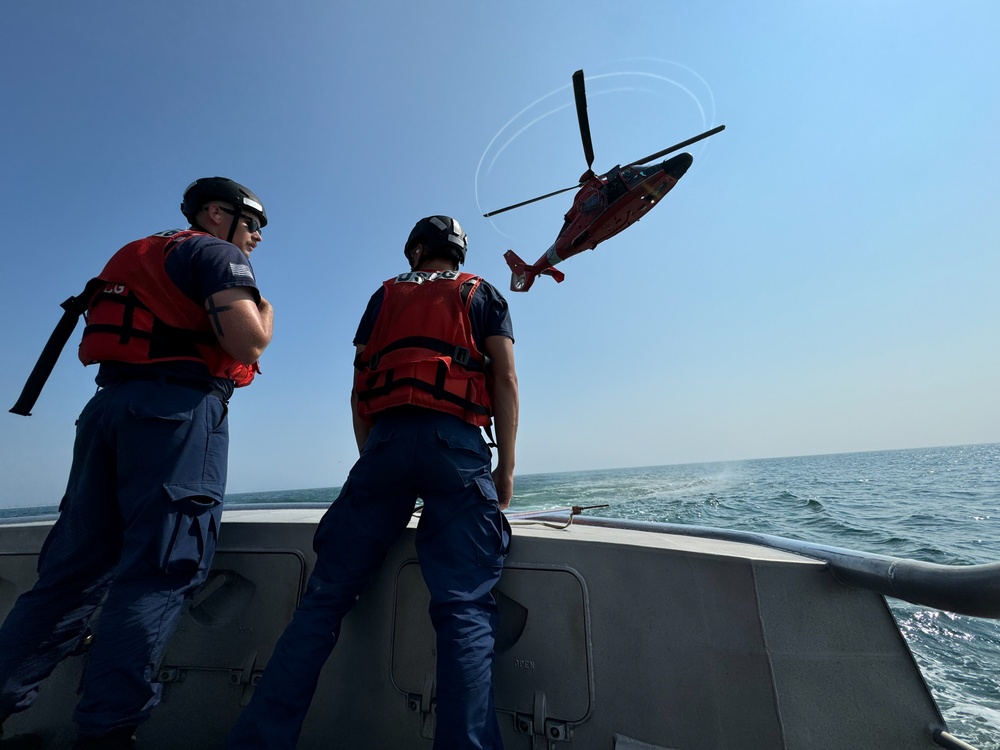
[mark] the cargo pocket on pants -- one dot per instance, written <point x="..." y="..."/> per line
<point x="493" y="554"/>
<point x="195" y="513"/>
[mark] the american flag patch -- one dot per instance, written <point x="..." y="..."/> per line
<point x="238" y="270"/>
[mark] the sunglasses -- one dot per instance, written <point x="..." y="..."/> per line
<point x="252" y="224"/>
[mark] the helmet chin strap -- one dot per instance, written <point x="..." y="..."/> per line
<point x="232" y="227"/>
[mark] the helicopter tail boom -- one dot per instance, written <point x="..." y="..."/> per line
<point x="522" y="275"/>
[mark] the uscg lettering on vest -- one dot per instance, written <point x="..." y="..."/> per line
<point x="113" y="288"/>
<point x="419" y="277"/>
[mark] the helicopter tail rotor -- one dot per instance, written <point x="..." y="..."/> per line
<point x="522" y="276"/>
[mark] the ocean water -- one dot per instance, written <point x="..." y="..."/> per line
<point x="938" y="505"/>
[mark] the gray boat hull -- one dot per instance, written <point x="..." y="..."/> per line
<point x="610" y="637"/>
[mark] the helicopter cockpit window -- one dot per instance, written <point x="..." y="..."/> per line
<point x="591" y="202"/>
<point x="616" y="186"/>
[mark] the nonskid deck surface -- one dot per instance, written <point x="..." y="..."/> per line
<point x="671" y="640"/>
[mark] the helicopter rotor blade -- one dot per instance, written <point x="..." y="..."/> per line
<point x="588" y="147"/>
<point x="581" y="114"/>
<point x="680" y="145"/>
<point x="532" y="200"/>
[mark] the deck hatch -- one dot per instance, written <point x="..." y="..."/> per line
<point x="543" y="647"/>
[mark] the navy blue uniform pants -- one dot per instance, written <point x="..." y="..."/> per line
<point x="462" y="539"/>
<point x="137" y="530"/>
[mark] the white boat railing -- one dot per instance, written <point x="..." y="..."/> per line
<point x="972" y="590"/>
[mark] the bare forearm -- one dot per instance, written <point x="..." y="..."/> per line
<point x="266" y="313"/>
<point x="259" y="331"/>
<point x="242" y="326"/>
<point x="505" y="417"/>
<point x="506" y="408"/>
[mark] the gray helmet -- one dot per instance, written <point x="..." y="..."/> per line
<point x="209" y="189"/>
<point x="442" y="235"/>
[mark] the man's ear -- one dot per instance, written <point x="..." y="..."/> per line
<point x="415" y="255"/>
<point x="214" y="214"/>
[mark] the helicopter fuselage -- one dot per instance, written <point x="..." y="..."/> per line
<point x="609" y="203"/>
<point x="603" y="207"/>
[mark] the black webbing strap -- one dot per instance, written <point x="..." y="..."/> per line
<point x="74" y="307"/>
<point x="165" y="340"/>
<point x="437" y="391"/>
<point x="460" y="355"/>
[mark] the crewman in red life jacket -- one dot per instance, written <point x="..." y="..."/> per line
<point x="434" y="364"/>
<point x="175" y="322"/>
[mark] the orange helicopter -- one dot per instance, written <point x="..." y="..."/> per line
<point x="605" y="204"/>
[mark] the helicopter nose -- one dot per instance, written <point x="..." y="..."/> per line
<point x="677" y="166"/>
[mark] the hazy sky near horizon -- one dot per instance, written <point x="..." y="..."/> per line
<point x="823" y="279"/>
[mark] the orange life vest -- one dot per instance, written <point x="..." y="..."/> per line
<point x="138" y="315"/>
<point x="422" y="351"/>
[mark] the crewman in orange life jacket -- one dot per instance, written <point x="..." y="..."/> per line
<point x="175" y="323"/>
<point x="434" y="364"/>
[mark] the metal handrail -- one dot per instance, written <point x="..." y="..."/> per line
<point x="963" y="589"/>
<point x="945" y="739"/>
<point x="972" y="590"/>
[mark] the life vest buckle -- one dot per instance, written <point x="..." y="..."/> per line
<point x="461" y="355"/>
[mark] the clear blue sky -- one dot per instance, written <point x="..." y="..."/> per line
<point x="823" y="279"/>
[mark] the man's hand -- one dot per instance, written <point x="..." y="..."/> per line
<point x="504" y="480"/>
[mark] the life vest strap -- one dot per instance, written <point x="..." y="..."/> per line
<point x="168" y="338"/>
<point x="124" y="332"/>
<point x="435" y="389"/>
<point x="130" y="303"/>
<point x="460" y="355"/>
<point x="73" y="308"/>
<point x="166" y="341"/>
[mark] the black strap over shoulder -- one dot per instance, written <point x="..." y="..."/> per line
<point x="74" y="307"/>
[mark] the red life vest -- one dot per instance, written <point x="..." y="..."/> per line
<point x="138" y="315"/>
<point x="422" y="351"/>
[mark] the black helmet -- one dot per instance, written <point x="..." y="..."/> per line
<point x="442" y="235"/>
<point x="209" y="189"/>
